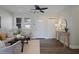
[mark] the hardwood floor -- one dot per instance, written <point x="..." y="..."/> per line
<point x="53" y="46"/>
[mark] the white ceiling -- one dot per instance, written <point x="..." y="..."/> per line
<point x="52" y="10"/>
<point x="17" y="8"/>
<point x="28" y="8"/>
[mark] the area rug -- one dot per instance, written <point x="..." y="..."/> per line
<point x="33" y="47"/>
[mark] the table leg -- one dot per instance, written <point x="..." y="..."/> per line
<point x="27" y="39"/>
<point x="22" y="46"/>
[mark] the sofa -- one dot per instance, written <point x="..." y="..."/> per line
<point x="12" y="49"/>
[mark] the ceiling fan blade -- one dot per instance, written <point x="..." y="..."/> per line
<point x="41" y="11"/>
<point x="43" y="8"/>
<point x="36" y="5"/>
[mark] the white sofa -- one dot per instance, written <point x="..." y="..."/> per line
<point x="12" y="49"/>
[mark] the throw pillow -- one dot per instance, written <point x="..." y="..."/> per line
<point x="2" y="36"/>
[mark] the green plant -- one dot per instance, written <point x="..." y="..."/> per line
<point x="17" y="32"/>
<point x="14" y="33"/>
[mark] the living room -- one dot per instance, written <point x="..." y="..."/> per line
<point x="38" y="25"/>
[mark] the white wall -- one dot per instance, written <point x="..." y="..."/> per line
<point x="71" y="14"/>
<point x="39" y="29"/>
<point x="6" y="19"/>
<point x="50" y="29"/>
<point x="43" y="28"/>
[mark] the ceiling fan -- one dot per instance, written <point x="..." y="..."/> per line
<point x="37" y="7"/>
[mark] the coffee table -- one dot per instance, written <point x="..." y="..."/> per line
<point x="22" y="41"/>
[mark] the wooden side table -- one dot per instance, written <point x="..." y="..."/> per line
<point x="64" y="36"/>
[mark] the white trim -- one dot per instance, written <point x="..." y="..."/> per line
<point x="74" y="46"/>
<point x="41" y="38"/>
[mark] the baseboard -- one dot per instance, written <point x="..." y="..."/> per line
<point x="74" y="46"/>
<point x="43" y="38"/>
<point x="37" y="38"/>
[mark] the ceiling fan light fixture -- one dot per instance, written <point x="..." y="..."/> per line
<point x="37" y="7"/>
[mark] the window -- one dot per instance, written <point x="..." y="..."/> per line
<point x="28" y="26"/>
<point x="27" y="22"/>
<point x="18" y="22"/>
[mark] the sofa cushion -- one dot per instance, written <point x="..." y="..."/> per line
<point x="2" y="44"/>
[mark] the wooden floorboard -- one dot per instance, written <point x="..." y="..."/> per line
<point x="53" y="46"/>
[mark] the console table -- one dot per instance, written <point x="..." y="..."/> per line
<point x="64" y="37"/>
